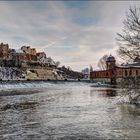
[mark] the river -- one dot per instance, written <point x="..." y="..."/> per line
<point x="65" y="110"/>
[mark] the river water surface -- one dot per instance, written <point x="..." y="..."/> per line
<point x="65" y="110"/>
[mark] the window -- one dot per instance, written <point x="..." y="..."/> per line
<point x="130" y="72"/>
<point x="125" y="72"/>
<point x="96" y="74"/>
<point x="112" y="72"/>
<point x="120" y="73"/>
<point x="107" y="74"/>
<point x="136" y="72"/>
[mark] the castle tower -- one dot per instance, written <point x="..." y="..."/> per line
<point x="110" y="62"/>
<point x="4" y="51"/>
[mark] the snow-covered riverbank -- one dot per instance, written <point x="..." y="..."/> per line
<point x="9" y="73"/>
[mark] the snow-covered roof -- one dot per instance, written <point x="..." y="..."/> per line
<point x="17" y="51"/>
<point x="128" y="66"/>
<point x="133" y="64"/>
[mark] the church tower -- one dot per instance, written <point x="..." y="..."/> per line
<point x="110" y="62"/>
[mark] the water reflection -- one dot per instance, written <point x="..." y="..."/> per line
<point x="106" y="92"/>
<point x="19" y="106"/>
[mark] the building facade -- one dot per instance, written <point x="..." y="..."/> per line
<point x="4" y="51"/>
<point x="113" y="74"/>
<point x="25" y="54"/>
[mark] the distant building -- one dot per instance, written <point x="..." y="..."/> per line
<point x="114" y="74"/>
<point x="26" y="49"/>
<point x="17" y="55"/>
<point x="31" y="54"/>
<point x="86" y="73"/>
<point x="4" y="51"/>
<point x="30" y="57"/>
<point x="33" y="51"/>
<point x="41" y="55"/>
<point x="26" y="63"/>
<point x="29" y="50"/>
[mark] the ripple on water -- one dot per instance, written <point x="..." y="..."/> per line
<point x="65" y="111"/>
<point x="17" y="106"/>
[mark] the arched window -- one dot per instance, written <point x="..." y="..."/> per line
<point x="130" y="72"/>
<point x="137" y="72"/>
<point x="120" y="73"/>
<point x="125" y="72"/>
<point x="97" y="74"/>
<point x="106" y="73"/>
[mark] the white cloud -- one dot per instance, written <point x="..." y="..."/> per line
<point x="51" y="26"/>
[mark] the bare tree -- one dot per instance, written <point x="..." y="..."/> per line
<point x="57" y="63"/>
<point x="129" y="39"/>
<point x="69" y="68"/>
<point x="131" y="88"/>
<point x="91" y="68"/>
<point x="50" y="59"/>
<point x="129" y="49"/>
<point x="102" y="62"/>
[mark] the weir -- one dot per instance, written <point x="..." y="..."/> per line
<point x="11" y="85"/>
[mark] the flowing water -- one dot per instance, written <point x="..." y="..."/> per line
<point x="65" y="110"/>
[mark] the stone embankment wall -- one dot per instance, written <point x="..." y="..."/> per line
<point x="42" y="74"/>
<point x="11" y="73"/>
<point x="102" y="80"/>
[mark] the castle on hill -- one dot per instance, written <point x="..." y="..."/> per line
<point x="26" y="63"/>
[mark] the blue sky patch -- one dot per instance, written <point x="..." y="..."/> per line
<point x="76" y="4"/>
<point x="85" y="21"/>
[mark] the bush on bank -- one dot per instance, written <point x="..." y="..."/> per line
<point x="131" y="88"/>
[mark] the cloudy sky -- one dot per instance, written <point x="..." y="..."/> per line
<point x="76" y="33"/>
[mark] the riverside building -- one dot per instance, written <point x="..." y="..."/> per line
<point x="113" y="73"/>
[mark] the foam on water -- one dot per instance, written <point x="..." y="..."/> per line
<point x="39" y="84"/>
